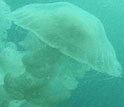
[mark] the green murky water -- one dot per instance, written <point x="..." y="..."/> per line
<point x="28" y="66"/>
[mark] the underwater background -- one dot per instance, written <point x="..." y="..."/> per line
<point x="95" y="89"/>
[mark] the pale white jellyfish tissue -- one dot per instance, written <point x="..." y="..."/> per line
<point x="64" y="42"/>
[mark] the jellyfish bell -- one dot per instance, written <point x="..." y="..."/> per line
<point x="73" y="31"/>
<point x="5" y="24"/>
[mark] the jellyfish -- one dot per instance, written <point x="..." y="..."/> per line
<point x="72" y="31"/>
<point x="4" y="22"/>
<point x="64" y="42"/>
